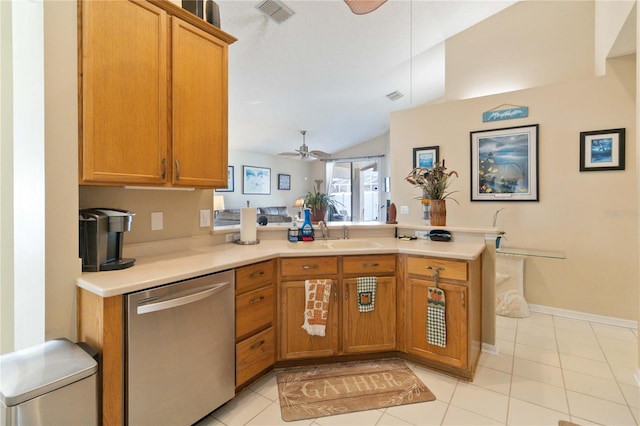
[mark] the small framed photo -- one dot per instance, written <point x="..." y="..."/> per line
<point x="504" y="164"/>
<point x="284" y="182"/>
<point x="229" y="181"/>
<point x="602" y="150"/>
<point x="426" y="157"/>
<point x="256" y="180"/>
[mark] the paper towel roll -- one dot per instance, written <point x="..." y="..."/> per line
<point x="248" y="232"/>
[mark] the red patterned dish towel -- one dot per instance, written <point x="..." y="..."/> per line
<point x="317" y="294"/>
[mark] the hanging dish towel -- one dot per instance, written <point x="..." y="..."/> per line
<point x="436" y="324"/>
<point x="366" y="287"/>
<point x="317" y="294"/>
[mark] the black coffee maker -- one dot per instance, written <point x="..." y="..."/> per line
<point x="101" y="238"/>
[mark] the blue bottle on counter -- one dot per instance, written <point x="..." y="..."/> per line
<point x="306" y="231"/>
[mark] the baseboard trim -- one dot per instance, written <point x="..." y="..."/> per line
<point x="618" y="322"/>
<point x="489" y="349"/>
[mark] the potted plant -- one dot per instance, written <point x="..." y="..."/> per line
<point x="434" y="183"/>
<point x="319" y="203"/>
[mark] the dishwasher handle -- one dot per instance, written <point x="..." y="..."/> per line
<point x="172" y="303"/>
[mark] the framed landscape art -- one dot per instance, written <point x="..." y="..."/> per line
<point x="602" y="150"/>
<point x="504" y="164"/>
<point x="256" y="180"/>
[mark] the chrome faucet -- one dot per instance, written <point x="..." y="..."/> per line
<point x="345" y="232"/>
<point x="323" y="229"/>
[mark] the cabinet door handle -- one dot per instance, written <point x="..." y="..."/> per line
<point x="370" y="265"/>
<point x="164" y="168"/>
<point x="256" y="274"/>
<point x="307" y="267"/>
<point x="257" y="345"/>
<point x="463" y="306"/>
<point x="256" y="300"/>
<point x="177" y="170"/>
<point x="335" y="292"/>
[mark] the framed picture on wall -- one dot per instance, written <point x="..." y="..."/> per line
<point x="229" y="181"/>
<point x="256" y="180"/>
<point x="602" y="150"/>
<point x="426" y="157"/>
<point x="504" y="164"/>
<point x="284" y="182"/>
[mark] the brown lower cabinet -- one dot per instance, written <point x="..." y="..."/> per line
<point x="270" y="300"/>
<point x="255" y="320"/>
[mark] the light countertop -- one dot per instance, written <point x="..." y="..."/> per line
<point x="152" y="271"/>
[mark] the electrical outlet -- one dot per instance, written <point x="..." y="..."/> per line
<point x="404" y="209"/>
<point x="205" y="218"/>
<point x="156" y="221"/>
<point x="232" y="237"/>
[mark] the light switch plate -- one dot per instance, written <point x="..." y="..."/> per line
<point x="205" y="218"/>
<point x="404" y="209"/>
<point x="156" y="221"/>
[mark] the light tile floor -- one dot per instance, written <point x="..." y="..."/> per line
<point x="549" y="368"/>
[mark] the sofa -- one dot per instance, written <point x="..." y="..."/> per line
<point x="229" y="217"/>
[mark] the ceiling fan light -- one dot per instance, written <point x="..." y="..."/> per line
<point x="362" y="7"/>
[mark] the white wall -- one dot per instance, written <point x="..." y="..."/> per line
<point x="591" y="217"/>
<point x="301" y="180"/>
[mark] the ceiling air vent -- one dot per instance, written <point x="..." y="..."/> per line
<point x="275" y="9"/>
<point x="394" y="96"/>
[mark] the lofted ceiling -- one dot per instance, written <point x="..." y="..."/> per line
<point x="328" y="71"/>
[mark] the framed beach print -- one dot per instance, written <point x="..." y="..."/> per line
<point x="256" y="180"/>
<point x="504" y="164"/>
<point x="602" y="150"/>
<point x="229" y="187"/>
<point x="284" y="182"/>
<point x="426" y="156"/>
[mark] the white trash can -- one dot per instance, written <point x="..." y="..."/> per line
<point x="54" y="383"/>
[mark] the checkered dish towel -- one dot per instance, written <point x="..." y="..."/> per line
<point x="436" y="323"/>
<point x="366" y="287"/>
<point x="317" y="295"/>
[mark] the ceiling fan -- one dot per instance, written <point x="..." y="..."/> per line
<point x="304" y="153"/>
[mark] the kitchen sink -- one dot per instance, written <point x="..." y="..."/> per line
<point x="334" y="244"/>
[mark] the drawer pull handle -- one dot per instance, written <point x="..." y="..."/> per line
<point x="370" y="265"/>
<point x="257" y="345"/>
<point x="256" y="300"/>
<point x="307" y="267"/>
<point x="256" y="274"/>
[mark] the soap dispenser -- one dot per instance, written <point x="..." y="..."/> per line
<point x="306" y="231"/>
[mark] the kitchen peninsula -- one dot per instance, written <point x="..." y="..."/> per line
<point x="271" y="276"/>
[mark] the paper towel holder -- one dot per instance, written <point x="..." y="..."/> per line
<point x="247" y="243"/>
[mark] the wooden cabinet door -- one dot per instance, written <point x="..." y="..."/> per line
<point x="456" y="349"/>
<point x="374" y="330"/>
<point x="124" y="126"/>
<point x="295" y="342"/>
<point x="199" y="107"/>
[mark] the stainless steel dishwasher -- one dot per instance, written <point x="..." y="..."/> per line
<point x="180" y="350"/>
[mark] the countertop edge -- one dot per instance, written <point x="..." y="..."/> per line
<point x="155" y="271"/>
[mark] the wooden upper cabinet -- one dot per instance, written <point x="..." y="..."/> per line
<point x="153" y="96"/>
<point x="124" y="99"/>
<point x="199" y="120"/>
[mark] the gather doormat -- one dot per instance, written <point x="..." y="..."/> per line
<point x="325" y="390"/>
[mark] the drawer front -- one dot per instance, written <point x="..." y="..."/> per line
<point x="254" y="310"/>
<point x="254" y="355"/>
<point x="254" y="276"/>
<point x="309" y="266"/>
<point x="369" y="264"/>
<point x="452" y="269"/>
